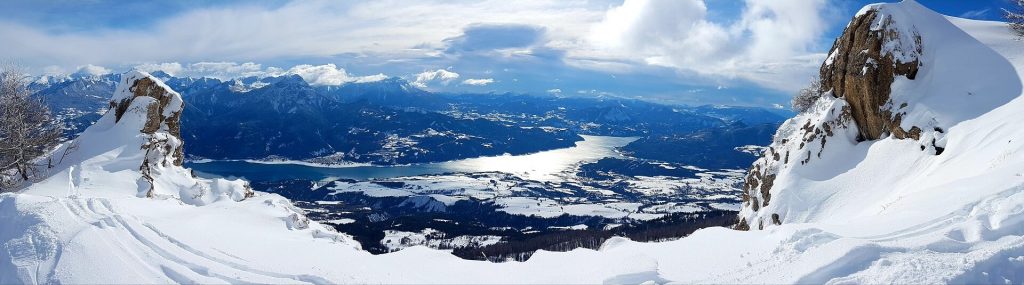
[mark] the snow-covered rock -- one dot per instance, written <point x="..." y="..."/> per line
<point x="135" y="149"/>
<point x="901" y="84"/>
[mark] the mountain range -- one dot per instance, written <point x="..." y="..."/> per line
<point x="390" y="121"/>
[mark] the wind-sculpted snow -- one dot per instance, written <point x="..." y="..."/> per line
<point x="866" y="212"/>
<point x="869" y="141"/>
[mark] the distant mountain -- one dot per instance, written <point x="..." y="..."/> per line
<point x="78" y="100"/>
<point x="290" y="119"/>
<point x="75" y="95"/>
<point x="385" y="122"/>
<point x="713" y="148"/>
<point x="593" y="116"/>
<point x="388" y="92"/>
<point x="747" y="115"/>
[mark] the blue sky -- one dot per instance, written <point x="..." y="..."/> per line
<point x="749" y="52"/>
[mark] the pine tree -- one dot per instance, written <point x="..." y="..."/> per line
<point x="1016" y="18"/>
<point x="27" y="130"/>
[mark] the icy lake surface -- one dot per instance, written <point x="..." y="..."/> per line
<point x="545" y="166"/>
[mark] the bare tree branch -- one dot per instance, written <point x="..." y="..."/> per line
<point x="27" y="129"/>
<point x="806" y="97"/>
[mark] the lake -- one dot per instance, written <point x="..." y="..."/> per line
<point x="548" y="165"/>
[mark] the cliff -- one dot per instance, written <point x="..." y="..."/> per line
<point x="899" y="77"/>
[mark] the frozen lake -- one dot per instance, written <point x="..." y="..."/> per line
<point x="545" y="166"/>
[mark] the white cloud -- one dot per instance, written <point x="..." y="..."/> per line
<point x="172" y="68"/>
<point x="772" y="43"/>
<point x="389" y="28"/>
<point x="478" y="82"/>
<point x="442" y="76"/>
<point x="555" y="91"/>
<point x="975" y="13"/>
<point x="53" y="70"/>
<point x="221" y="70"/>
<point x="92" y="70"/>
<point x="329" y="74"/>
<point x="225" y="70"/>
<point x="370" y="78"/>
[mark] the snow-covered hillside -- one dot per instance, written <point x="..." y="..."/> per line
<point x="914" y="107"/>
<point x="944" y="204"/>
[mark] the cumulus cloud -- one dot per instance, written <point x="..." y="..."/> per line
<point x="326" y="74"/>
<point x="172" y="68"/>
<point x="220" y="69"/>
<point x="441" y="76"/>
<point x="395" y="29"/>
<point x="370" y="78"/>
<point x="773" y="43"/>
<point x="555" y="91"/>
<point x="329" y="74"/>
<point x="91" y="70"/>
<point x="478" y="82"/>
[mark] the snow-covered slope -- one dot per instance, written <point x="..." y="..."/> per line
<point x="881" y="210"/>
<point x="947" y="126"/>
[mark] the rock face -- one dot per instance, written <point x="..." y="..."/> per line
<point x="160" y="109"/>
<point x="163" y="109"/>
<point x="862" y="66"/>
<point x="856" y="82"/>
<point x="145" y="110"/>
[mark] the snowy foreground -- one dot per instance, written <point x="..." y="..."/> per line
<point x="891" y="214"/>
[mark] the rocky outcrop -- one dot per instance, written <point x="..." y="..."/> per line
<point x="145" y="109"/>
<point x="162" y="108"/>
<point x="856" y="82"/>
<point x="861" y="68"/>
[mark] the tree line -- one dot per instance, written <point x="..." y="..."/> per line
<point x="674" y="226"/>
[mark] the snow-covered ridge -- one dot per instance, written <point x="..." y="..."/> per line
<point x="901" y="84"/>
<point x="108" y="188"/>
<point x="137" y="143"/>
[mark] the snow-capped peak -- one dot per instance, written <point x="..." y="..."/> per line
<point x="48" y="79"/>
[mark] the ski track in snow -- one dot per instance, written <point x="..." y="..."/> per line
<point x="183" y="260"/>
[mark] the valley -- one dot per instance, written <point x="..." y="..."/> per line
<point x="497" y="175"/>
<point x="582" y="192"/>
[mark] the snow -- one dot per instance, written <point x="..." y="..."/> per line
<point x="399" y="240"/>
<point x="873" y="212"/>
<point x="516" y="196"/>
<point x="575" y="228"/>
<point x="343" y="221"/>
<point x="977" y="129"/>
